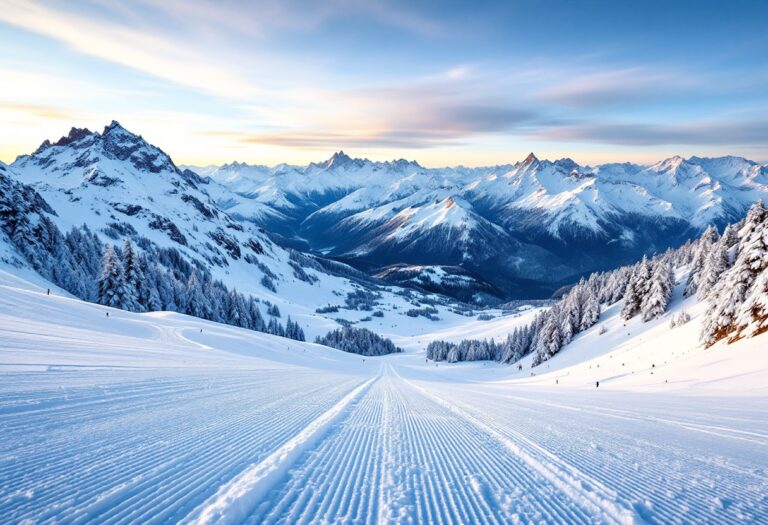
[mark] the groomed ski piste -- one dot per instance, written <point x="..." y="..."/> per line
<point x="164" y="418"/>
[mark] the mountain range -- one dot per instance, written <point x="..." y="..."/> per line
<point x="482" y="234"/>
<point x="521" y="229"/>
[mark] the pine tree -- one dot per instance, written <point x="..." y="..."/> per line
<point x="752" y="319"/>
<point x="730" y="237"/>
<point x="234" y="313"/>
<point x="257" y="321"/>
<point x="716" y="264"/>
<point x="728" y="296"/>
<point x="637" y="289"/>
<point x="133" y="276"/>
<point x="590" y="311"/>
<point x="549" y="339"/>
<point x="195" y="298"/>
<point x="660" y="291"/>
<point x="704" y="248"/>
<point x="273" y="310"/>
<point x="113" y="290"/>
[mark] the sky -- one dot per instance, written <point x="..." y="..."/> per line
<point x="444" y="83"/>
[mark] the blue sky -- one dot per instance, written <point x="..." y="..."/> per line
<point x="440" y="82"/>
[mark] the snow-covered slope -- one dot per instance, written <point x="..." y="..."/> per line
<point x="525" y="228"/>
<point x="165" y="418"/>
<point x="538" y="212"/>
<point x="121" y="186"/>
<point x="625" y="355"/>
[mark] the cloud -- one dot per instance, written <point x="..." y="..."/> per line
<point x="38" y="110"/>
<point x="152" y="52"/>
<point x="425" y="128"/>
<point x="618" y="87"/>
<point x="752" y="132"/>
<point x="262" y="17"/>
<point x="435" y="112"/>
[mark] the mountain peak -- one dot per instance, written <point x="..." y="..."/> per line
<point x="74" y="135"/>
<point x="115" y="142"/>
<point x="530" y="159"/>
<point x="338" y="159"/>
<point x="672" y="164"/>
<point x="113" y="126"/>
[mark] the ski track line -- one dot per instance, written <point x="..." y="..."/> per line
<point x="337" y="481"/>
<point x="235" y="500"/>
<point x="717" y="430"/>
<point x="400" y="457"/>
<point x="673" y="481"/>
<point x="157" y="455"/>
<point x="593" y="495"/>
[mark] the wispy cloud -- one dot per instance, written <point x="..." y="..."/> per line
<point x="38" y="110"/>
<point x="610" y="87"/>
<point x="282" y="76"/>
<point x="740" y="132"/>
<point x="439" y="110"/>
<point x="147" y="51"/>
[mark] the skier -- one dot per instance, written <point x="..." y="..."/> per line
<point x="597" y="384"/>
<point x="49" y="292"/>
<point x="107" y="314"/>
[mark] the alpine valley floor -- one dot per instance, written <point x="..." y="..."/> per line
<point x="163" y="418"/>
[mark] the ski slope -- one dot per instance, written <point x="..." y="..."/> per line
<point x="163" y="418"/>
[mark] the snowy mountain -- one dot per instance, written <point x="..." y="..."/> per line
<point x="521" y="230"/>
<point x="161" y="417"/>
<point x="120" y="187"/>
<point x="130" y="409"/>
<point x="525" y="228"/>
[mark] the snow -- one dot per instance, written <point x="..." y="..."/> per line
<point x="63" y="178"/>
<point x="166" y="418"/>
<point x="697" y="190"/>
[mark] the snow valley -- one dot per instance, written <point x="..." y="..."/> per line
<point x="377" y="342"/>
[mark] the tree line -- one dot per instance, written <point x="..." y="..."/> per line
<point x="138" y="280"/>
<point x="728" y="271"/>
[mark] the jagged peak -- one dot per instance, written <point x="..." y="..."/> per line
<point x="530" y="159"/>
<point x="113" y="127"/>
<point x="731" y="159"/>
<point x="674" y="161"/>
<point x="74" y="135"/>
<point x="114" y="142"/>
<point x="338" y="159"/>
<point x="567" y="165"/>
<point x="403" y="163"/>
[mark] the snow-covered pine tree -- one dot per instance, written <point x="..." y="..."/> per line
<point x="716" y="264"/>
<point x="752" y="316"/>
<point x="548" y="340"/>
<point x="590" y="311"/>
<point x="195" y="298"/>
<point x="113" y="290"/>
<point x="728" y="296"/>
<point x="659" y="293"/>
<point x="729" y="239"/>
<point x="234" y="313"/>
<point x="569" y="315"/>
<point x="703" y="249"/>
<point x="257" y="321"/>
<point x="637" y="289"/>
<point x="132" y="271"/>
<point x="273" y="310"/>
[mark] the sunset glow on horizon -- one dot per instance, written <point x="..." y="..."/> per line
<point x="440" y="83"/>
